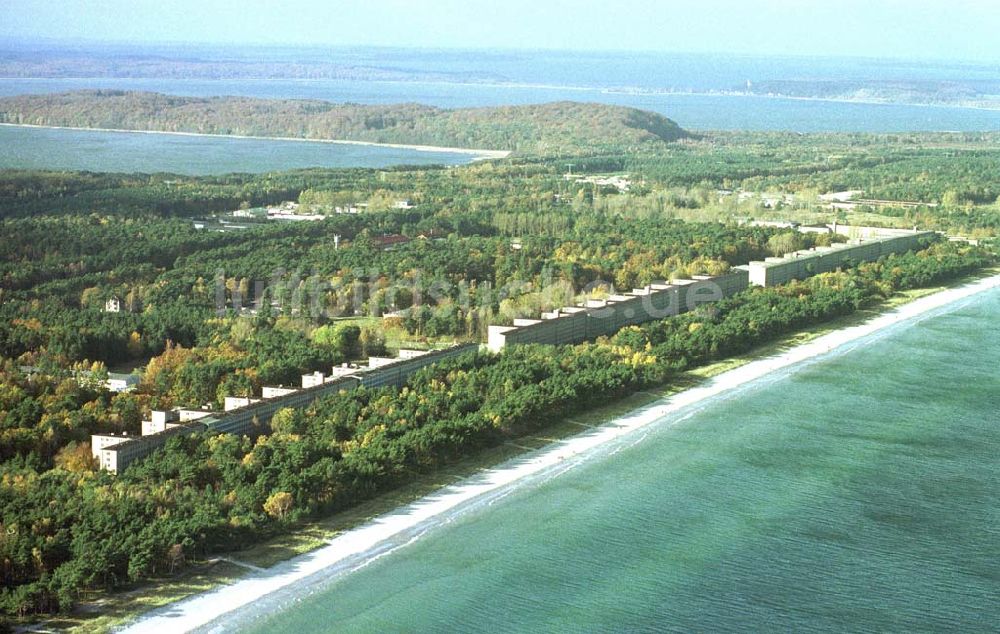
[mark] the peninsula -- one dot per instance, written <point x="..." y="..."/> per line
<point x="540" y="129"/>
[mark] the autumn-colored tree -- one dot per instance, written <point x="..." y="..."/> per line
<point x="89" y="296"/>
<point x="278" y="504"/>
<point x="134" y="345"/>
<point x="75" y="457"/>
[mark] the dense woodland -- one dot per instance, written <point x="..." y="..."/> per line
<point x="68" y="527"/>
<point x="482" y="244"/>
<point x="952" y="174"/>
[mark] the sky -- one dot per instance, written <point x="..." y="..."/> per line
<point x="941" y="29"/>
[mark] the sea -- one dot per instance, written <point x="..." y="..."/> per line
<point x="858" y="492"/>
<point x="699" y="92"/>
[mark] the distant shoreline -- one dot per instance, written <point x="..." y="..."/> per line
<point x="480" y="155"/>
<point x="874" y="102"/>
<point x="356" y="547"/>
<point x="978" y="105"/>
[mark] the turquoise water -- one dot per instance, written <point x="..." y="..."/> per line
<point x="102" y="151"/>
<point x="858" y="493"/>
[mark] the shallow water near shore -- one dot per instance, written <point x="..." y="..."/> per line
<point x="859" y="492"/>
<point x="128" y="152"/>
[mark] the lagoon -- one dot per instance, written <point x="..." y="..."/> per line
<point x="128" y="152"/>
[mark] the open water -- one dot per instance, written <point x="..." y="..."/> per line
<point x="860" y="492"/>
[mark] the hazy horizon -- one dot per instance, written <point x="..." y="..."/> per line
<point x="49" y="43"/>
<point x="916" y="30"/>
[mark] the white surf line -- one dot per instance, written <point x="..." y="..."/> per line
<point x="481" y="154"/>
<point x="201" y="609"/>
<point x="239" y="563"/>
<point x="521" y="447"/>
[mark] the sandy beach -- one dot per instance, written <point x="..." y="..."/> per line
<point x="479" y="154"/>
<point x="373" y="539"/>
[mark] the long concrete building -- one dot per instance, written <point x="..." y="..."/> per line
<point x="115" y="452"/>
<point x="802" y="264"/>
<point x="665" y="299"/>
<point x="596" y="318"/>
<point x="572" y="324"/>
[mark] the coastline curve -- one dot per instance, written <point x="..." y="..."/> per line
<point x="376" y="538"/>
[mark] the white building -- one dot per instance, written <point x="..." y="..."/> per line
<point x="841" y="197"/>
<point x="312" y="380"/>
<point x="149" y="427"/>
<point x="378" y="362"/>
<point x="344" y="369"/>
<point x="162" y="420"/>
<point x="101" y="441"/>
<point x="294" y="217"/>
<point x="187" y="415"/>
<point x="411" y="354"/>
<point x="275" y="392"/>
<point x="235" y="402"/>
<point x="121" y="382"/>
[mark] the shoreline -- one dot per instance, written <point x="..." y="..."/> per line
<point x="378" y="536"/>
<point x="480" y="155"/>
<point x="640" y="92"/>
<point x="779" y="96"/>
<point x="983" y="105"/>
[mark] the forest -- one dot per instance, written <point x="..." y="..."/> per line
<point x="207" y="314"/>
<point x="69" y="528"/>
<point x="949" y="179"/>
<point x="544" y="128"/>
